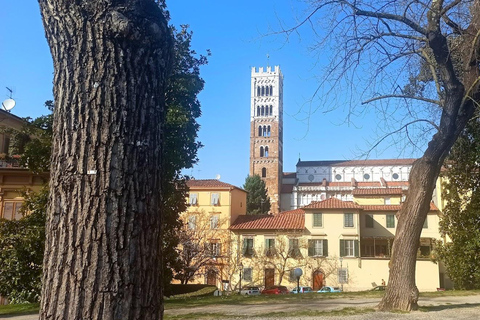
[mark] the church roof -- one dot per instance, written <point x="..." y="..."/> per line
<point x="356" y="163"/>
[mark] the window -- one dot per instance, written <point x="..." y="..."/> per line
<point x="263" y="90"/>
<point x="248" y="247"/>
<point x="267" y="90"/>
<point x="192" y="221"/>
<point x="214" y="249"/>
<point x="348" y="248"/>
<point x="271" y="90"/>
<point x="11" y="210"/>
<point x="317" y="220"/>
<point x="266" y="152"/>
<point x="269" y="247"/>
<point x="261" y="151"/>
<point x="264" y="172"/>
<point x="342" y="275"/>
<point x="247" y="274"/>
<point x="258" y="111"/>
<point x="263" y="111"/>
<point x="264" y="131"/>
<point x="387" y="201"/>
<point x="258" y="91"/>
<point x="260" y="131"/>
<point x="293" y="248"/>
<point x="214" y="222"/>
<point x="425" y="223"/>
<point x="317" y="247"/>
<point x="368" y="221"/>
<point x="268" y="131"/>
<point x="348" y="220"/>
<point x="390" y="221"/>
<point x="215" y="199"/>
<point x="193" y="199"/>
<point x="271" y="109"/>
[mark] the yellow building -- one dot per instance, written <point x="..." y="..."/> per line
<point x="14" y="179"/>
<point x="213" y="207"/>
<point x="334" y="242"/>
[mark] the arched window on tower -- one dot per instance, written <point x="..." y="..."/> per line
<point x="259" y="131"/>
<point x="261" y="152"/>
<point x="258" y="111"/>
<point x="268" y="131"/>
<point x="264" y="172"/>
<point x="266" y="90"/>
<point x="263" y="111"/>
<point x="258" y="91"/>
<point x="264" y="131"/>
<point x="271" y="90"/>
<point x="271" y="109"/>
<point x="266" y="152"/>
<point x="263" y="90"/>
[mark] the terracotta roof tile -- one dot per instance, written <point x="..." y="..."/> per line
<point x="292" y="221"/>
<point x="332" y="203"/>
<point x="377" y="191"/>
<point x="433" y="207"/>
<point x="210" y="183"/>
<point x="295" y="211"/>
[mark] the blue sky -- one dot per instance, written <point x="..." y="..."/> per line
<point x="235" y="32"/>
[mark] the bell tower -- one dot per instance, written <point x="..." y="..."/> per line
<point x="266" y="130"/>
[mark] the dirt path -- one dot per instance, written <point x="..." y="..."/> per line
<point x="256" y="310"/>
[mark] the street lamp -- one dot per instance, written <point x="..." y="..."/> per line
<point x="341" y="272"/>
<point x="240" y="282"/>
<point x="298" y="273"/>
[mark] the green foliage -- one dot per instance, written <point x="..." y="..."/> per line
<point x="461" y="216"/>
<point x="181" y="145"/>
<point x="21" y="250"/>
<point x="258" y="201"/>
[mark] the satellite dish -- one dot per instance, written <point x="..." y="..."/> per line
<point x="217" y="177"/>
<point x="8" y="104"/>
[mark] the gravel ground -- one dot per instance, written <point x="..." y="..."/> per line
<point x="444" y="308"/>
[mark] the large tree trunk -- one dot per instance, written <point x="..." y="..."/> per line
<point x="103" y="251"/>
<point x="460" y="99"/>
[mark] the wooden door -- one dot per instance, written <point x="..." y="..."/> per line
<point x="269" y="277"/>
<point x="317" y="280"/>
<point x="211" y="278"/>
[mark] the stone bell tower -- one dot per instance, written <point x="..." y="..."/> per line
<point x="266" y="130"/>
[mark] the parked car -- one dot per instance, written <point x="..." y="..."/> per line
<point x="302" y="290"/>
<point x="329" y="289"/>
<point x="379" y="288"/>
<point x="250" y="291"/>
<point x="275" y="290"/>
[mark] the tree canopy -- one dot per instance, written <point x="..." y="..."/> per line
<point x="258" y="201"/>
<point x="461" y="215"/>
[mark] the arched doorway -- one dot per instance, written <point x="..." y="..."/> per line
<point x="317" y="278"/>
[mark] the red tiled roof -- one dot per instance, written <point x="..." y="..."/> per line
<point x="377" y="191"/>
<point x="287" y="188"/>
<point x="295" y="211"/>
<point x="332" y="203"/>
<point x="292" y="221"/>
<point x="387" y="207"/>
<point x="210" y="184"/>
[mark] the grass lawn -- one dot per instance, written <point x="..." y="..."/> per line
<point x="19" y="309"/>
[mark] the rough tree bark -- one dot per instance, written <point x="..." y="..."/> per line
<point x="102" y="254"/>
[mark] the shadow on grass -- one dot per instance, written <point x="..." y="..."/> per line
<point x="448" y="307"/>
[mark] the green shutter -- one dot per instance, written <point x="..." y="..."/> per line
<point x="342" y="248"/>
<point x="325" y="248"/>
<point x="244" y="246"/>
<point x="356" y="245"/>
<point x="310" y="248"/>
